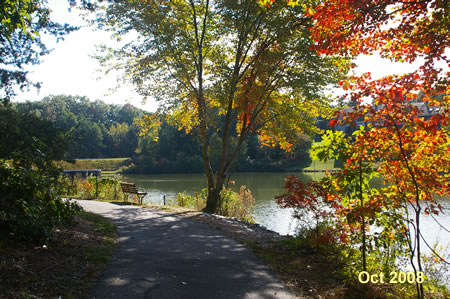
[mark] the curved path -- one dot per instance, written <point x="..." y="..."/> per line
<point x="166" y="255"/>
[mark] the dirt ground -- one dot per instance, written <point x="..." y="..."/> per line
<point x="67" y="265"/>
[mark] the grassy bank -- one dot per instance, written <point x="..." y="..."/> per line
<point x="114" y="166"/>
<point x="66" y="266"/>
<point x="108" y="166"/>
<point x="321" y="166"/>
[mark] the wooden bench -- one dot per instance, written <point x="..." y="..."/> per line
<point x="129" y="188"/>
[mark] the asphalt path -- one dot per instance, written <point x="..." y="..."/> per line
<point x="166" y="255"/>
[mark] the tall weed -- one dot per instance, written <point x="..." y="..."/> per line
<point x="196" y="201"/>
<point x="238" y="205"/>
<point x="106" y="188"/>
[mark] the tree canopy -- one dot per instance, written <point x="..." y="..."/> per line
<point x="23" y="23"/>
<point x="407" y="148"/>
<point x="205" y="59"/>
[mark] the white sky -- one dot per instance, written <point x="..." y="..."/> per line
<point x="69" y="70"/>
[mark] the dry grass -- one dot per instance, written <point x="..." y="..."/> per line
<point x="106" y="165"/>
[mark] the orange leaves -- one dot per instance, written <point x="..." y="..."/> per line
<point x="332" y="123"/>
<point x="400" y="30"/>
<point x="311" y="200"/>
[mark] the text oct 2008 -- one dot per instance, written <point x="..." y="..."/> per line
<point x="394" y="277"/>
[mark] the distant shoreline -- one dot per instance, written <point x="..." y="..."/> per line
<point x="320" y="170"/>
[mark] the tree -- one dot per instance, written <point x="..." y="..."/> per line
<point x="410" y="148"/>
<point x="237" y="60"/>
<point x="118" y="133"/>
<point x="23" y="22"/>
<point x="413" y="158"/>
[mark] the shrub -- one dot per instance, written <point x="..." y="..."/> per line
<point x="106" y="188"/>
<point x="196" y="201"/>
<point x="238" y="205"/>
<point x="30" y="205"/>
<point x="109" y="188"/>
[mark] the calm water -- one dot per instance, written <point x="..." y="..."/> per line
<point x="264" y="187"/>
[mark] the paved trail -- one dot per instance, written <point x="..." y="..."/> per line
<point x="165" y="255"/>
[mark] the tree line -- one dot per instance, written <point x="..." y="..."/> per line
<point x="99" y="130"/>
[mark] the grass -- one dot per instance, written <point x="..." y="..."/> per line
<point x="108" y="166"/>
<point x="66" y="266"/>
<point x="322" y="166"/>
<point x="101" y="224"/>
<point x="303" y="270"/>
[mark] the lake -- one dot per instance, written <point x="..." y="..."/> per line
<point x="265" y="186"/>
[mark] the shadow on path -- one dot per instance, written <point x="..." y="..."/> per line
<point x="163" y="255"/>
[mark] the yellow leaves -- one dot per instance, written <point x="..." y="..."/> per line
<point x="185" y="116"/>
<point x="266" y="3"/>
<point x="216" y="103"/>
<point x="148" y="126"/>
<point x="293" y="3"/>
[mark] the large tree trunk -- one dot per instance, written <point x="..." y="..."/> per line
<point x="213" y="200"/>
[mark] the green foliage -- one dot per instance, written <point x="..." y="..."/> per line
<point x="30" y="205"/>
<point x="106" y="188"/>
<point x="103" y="130"/>
<point x="176" y="151"/>
<point x="98" y="129"/>
<point x="196" y="201"/>
<point x="436" y="270"/>
<point x="22" y="23"/>
<point x="238" y="205"/>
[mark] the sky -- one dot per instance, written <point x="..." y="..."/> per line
<point x="70" y="70"/>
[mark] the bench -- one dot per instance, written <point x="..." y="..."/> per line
<point x="129" y="188"/>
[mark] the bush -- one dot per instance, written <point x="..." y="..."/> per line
<point x="30" y="205"/>
<point x="106" y="188"/>
<point x="196" y="201"/>
<point x="239" y="206"/>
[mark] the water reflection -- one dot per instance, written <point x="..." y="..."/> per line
<point x="265" y="186"/>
